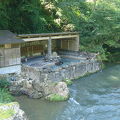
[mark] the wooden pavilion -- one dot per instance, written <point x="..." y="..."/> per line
<point x="14" y="47"/>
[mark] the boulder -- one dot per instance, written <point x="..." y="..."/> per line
<point x="61" y="89"/>
<point x="38" y="86"/>
<point x="12" y="111"/>
<point x="59" y="92"/>
<point x="35" y="94"/>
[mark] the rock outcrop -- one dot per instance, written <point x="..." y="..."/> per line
<point x="35" y="89"/>
<point x="12" y="111"/>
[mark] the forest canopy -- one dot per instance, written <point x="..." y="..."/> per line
<point x="98" y="21"/>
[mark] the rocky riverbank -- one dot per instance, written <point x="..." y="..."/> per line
<point x="38" y="90"/>
<point x="48" y="82"/>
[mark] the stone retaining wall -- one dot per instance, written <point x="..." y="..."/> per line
<point x="71" y="71"/>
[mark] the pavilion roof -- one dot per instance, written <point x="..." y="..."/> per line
<point x="7" y="37"/>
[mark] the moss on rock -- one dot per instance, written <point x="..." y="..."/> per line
<point x="11" y="111"/>
<point x="4" y="114"/>
<point x="56" y="97"/>
<point x="68" y="81"/>
<point x="6" y="110"/>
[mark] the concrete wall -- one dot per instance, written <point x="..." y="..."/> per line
<point x="10" y="69"/>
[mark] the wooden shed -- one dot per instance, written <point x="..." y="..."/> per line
<point x="9" y="52"/>
<point x="15" y="47"/>
<point x="46" y="43"/>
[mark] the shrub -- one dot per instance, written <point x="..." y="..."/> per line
<point x="4" y="83"/>
<point x="5" y="96"/>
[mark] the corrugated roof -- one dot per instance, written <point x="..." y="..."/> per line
<point x="7" y="37"/>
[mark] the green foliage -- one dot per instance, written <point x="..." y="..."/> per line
<point x="115" y="57"/>
<point x="56" y="98"/>
<point x="4" y="83"/>
<point x="5" y="96"/>
<point x="97" y="21"/>
<point x="68" y="81"/>
<point x="26" y="16"/>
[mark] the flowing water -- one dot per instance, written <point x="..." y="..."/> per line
<point x="94" y="97"/>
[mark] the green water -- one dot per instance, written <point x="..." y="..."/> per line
<point x="95" y="97"/>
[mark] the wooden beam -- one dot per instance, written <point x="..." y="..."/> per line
<point x="46" y="38"/>
<point x="47" y="34"/>
<point x="61" y="44"/>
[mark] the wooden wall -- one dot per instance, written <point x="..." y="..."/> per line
<point x="2" y="57"/>
<point x="9" y="56"/>
<point x="70" y="44"/>
<point x="12" y="56"/>
<point x="30" y="49"/>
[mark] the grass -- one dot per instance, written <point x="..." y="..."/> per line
<point x="4" y="83"/>
<point x="56" y="98"/>
<point x="68" y="81"/>
<point x="5" y="96"/>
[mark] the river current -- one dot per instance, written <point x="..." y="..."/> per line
<point x="94" y="97"/>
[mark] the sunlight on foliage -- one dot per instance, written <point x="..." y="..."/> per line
<point x="98" y="21"/>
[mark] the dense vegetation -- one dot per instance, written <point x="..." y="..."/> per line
<point x="25" y="16"/>
<point x="98" y="21"/>
<point x="5" y="96"/>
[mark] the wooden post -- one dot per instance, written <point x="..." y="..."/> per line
<point x="61" y="45"/>
<point x="77" y="43"/>
<point x="68" y="45"/>
<point x="49" y="47"/>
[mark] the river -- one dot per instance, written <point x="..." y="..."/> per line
<point x="94" y="97"/>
